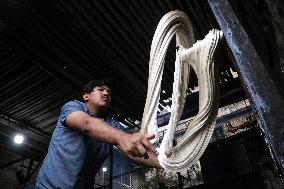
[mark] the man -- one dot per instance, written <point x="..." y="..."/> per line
<point x="79" y="144"/>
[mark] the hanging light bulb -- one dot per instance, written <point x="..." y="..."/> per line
<point x="18" y="139"/>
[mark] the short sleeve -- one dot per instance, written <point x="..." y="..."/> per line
<point x="70" y="107"/>
<point x="114" y="123"/>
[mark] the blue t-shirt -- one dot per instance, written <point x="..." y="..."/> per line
<point x="73" y="158"/>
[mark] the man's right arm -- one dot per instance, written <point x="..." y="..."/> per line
<point x="132" y="145"/>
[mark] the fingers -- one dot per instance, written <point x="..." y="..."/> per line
<point x="146" y="143"/>
<point x="144" y="146"/>
<point x="146" y="155"/>
<point x="132" y="153"/>
<point x="139" y="151"/>
<point x="142" y="151"/>
<point x="138" y="145"/>
<point x="149" y="136"/>
<point x="137" y="154"/>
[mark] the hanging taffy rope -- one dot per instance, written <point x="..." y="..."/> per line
<point x="200" y="57"/>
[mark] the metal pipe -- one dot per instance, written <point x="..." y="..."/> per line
<point x="263" y="92"/>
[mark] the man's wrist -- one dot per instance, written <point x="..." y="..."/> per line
<point x="118" y="136"/>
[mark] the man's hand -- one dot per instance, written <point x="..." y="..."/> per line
<point x="136" y="145"/>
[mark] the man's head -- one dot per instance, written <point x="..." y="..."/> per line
<point x="97" y="93"/>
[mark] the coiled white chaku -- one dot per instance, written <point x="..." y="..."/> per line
<point x="199" y="56"/>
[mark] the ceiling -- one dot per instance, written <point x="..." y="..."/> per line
<point x="50" y="49"/>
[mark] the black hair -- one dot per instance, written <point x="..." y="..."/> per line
<point x="91" y="85"/>
<point x="88" y="88"/>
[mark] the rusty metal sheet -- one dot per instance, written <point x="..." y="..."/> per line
<point x="264" y="95"/>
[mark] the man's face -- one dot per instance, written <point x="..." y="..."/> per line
<point x="100" y="97"/>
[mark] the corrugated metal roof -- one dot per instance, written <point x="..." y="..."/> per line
<point x="50" y="49"/>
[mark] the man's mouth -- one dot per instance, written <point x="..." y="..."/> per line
<point x="105" y="99"/>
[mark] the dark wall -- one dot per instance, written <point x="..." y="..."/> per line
<point x="242" y="161"/>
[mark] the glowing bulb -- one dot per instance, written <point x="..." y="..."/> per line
<point x="18" y="139"/>
<point x="104" y="169"/>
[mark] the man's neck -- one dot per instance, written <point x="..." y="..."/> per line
<point x="95" y="112"/>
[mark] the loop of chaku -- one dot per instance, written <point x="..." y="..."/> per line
<point x="199" y="56"/>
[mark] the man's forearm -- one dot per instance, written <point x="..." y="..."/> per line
<point x="94" y="127"/>
<point x="99" y="129"/>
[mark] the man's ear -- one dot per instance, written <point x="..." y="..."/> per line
<point x="86" y="97"/>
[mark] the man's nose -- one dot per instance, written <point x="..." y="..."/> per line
<point x="105" y="92"/>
